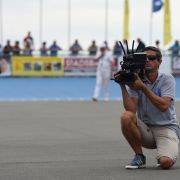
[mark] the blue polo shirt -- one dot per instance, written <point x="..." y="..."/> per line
<point x="151" y="115"/>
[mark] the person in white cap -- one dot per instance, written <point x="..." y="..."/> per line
<point x="103" y="73"/>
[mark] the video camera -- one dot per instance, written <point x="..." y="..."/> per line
<point x="133" y="62"/>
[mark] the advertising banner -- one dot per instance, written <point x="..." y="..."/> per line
<point x="80" y="66"/>
<point x="37" y="66"/>
<point x="84" y="66"/>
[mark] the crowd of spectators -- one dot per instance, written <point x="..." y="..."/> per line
<point x="27" y="48"/>
<point x="53" y="50"/>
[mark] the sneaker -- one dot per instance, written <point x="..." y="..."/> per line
<point x="94" y="99"/>
<point x="158" y="163"/>
<point x="138" y="162"/>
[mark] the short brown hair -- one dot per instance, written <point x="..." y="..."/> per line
<point x="155" y="49"/>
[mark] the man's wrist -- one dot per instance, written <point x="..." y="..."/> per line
<point x="144" y="88"/>
<point x="122" y="85"/>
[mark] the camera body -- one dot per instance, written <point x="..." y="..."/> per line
<point x="132" y="63"/>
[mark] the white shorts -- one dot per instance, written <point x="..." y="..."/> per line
<point x="163" y="139"/>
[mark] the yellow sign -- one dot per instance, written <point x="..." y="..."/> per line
<point x="37" y="66"/>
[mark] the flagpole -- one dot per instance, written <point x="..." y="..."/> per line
<point x="1" y="23"/>
<point x="69" y="24"/>
<point x="40" y="21"/>
<point x="156" y="5"/>
<point x="151" y="25"/>
<point x="106" y="19"/>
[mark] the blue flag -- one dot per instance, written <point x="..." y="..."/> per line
<point x="157" y="5"/>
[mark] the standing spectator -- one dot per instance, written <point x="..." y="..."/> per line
<point x="103" y="73"/>
<point x="141" y="45"/>
<point x="107" y="46"/>
<point x="1" y="51"/>
<point x="7" y="51"/>
<point x="174" y="49"/>
<point x="54" y="48"/>
<point x="44" y="49"/>
<point x="117" y="50"/>
<point x="75" y="48"/>
<point x="28" y="44"/>
<point x="93" y="48"/>
<point x="6" y="59"/>
<point x="157" y="44"/>
<point x="16" y="49"/>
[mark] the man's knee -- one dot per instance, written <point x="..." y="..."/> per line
<point x="127" y="118"/>
<point x="166" y="162"/>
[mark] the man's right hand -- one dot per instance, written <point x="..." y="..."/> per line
<point x="117" y="76"/>
<point x="137" y="84"/>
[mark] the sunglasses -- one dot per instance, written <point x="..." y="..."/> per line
<point x="151" y="58"/>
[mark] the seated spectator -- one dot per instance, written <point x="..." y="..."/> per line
<point x="28" y="44"/>
<point x="16" y="49"/>
<point x="44" y="49"/>
<point x="75" y="48"/>
<point x="141" y="45"/>
<point x="7" y="51"/>
<point x="93" y="48"/>
<point x="54" y="48"/>
<point x="174" y="49"/>
<point x="117" y="50"/>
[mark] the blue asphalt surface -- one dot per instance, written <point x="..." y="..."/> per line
<point x="60" y="88"/>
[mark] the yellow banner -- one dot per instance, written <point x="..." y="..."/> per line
<point x="167" y="23"/>
<point x="37" y="66"/>
<point x="126" y="20"/>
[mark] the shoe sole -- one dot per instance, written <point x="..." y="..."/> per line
<point x="135" y="167"/>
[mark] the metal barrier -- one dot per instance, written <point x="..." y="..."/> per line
<point x="67" y="65"/>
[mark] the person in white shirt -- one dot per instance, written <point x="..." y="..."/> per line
<point x="103" y="73"/>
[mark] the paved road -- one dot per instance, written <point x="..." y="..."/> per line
<point x="69" y="141"/>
